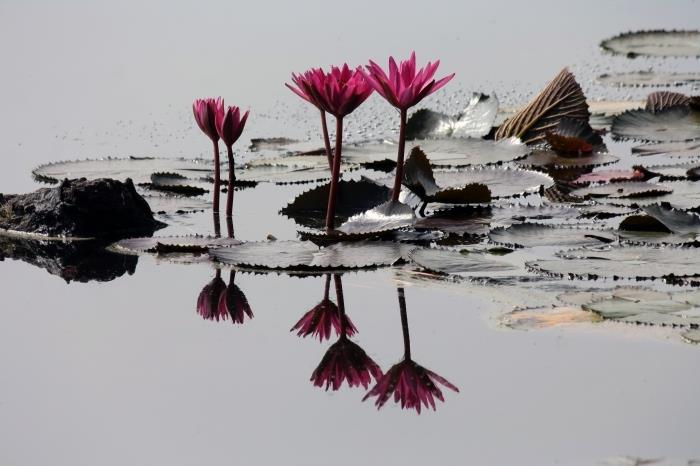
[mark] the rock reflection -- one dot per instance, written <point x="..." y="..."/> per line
<point x="218" y="301"/>
<point x="412" y="385"/>
<point x="74" y="261"/>
<point x="345" y="360"/>
<point x="324" y="318"/>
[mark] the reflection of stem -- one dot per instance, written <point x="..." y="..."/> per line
<point x="231" y="276"/>
<point x="333" y="193"/>
<point x="231" y="179"/>
<point x="229" y="226"/>
<point x="217" y="224"/>
<point x="399" y="160"/>
<point x="341" y="303"/>
<point x="404" y="324"/>
<point x="328" y="287"/>
<point x="218" y="273"/>
<point x="326" y="139"/>
<point x="217" y="176"/>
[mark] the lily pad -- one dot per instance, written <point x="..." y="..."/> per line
<point x="655" y="43"/>
<point x="661" y="225"/>
<point x="174" y="244"/>
<point x="629" y="189"/>
<point x="354" y="197"/>
<point x="385" y="217"/>
<point x="663" y="100"/>
<point x="475" y="121"/>
<point x="691" y="336"/>
<point x="648" y="78"/>
<point x="685" y="149"/>
<point x="295" y="255"/>
<point x="551" y="159"/>
<point x="634" y="262"/>
<point x="609" y="176"/>
<point x="528" y="235"/>
<point x="548" y="317"/>
<point x="683" y="195"/>
<point x="447" y="261"/>
<point x="672" y="125"/>
<point x="177" y="184"/>
<point x="139" y="169"/>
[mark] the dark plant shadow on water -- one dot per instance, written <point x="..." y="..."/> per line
<point x="74" y="261"/>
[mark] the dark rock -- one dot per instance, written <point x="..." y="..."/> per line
<point x="80" y="261"/>
<point x="80" y="208"/>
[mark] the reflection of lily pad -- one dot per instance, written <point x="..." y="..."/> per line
<point x="658" y="43"/>
<point x="354" y="197"/>
<point x="672" y="125"/>
<point x="295" y="255"/>
<point x="530" y="235"/>
<point x="648" y="78"/>
<point x="139" y="169"/>
<point x="452" y="262"/>
<point x="626" y="262"/>
<point x="174" y="244"/>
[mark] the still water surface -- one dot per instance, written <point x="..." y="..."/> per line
<point x="127" y="372"/>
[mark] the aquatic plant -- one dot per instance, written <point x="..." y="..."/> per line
<point x="403" y="88"/>
<point x="205" y="111"/>
<point x="229" y="126"/>
<point x="208" y="300"/>
<point x="345" y="360"/>
<point x="412" y="385"/>
<point x="324" y="318"/>
<point x="338" y="92"/>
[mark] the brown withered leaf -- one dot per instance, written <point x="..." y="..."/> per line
<point x="661" y="100"/>
<point x="562" y="97"/>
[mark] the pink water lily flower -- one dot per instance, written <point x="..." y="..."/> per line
<point x="205" y="112"/>
<point x="345" y="361"/>
<point x="229" y="126"/>
<point x="403" y="88"/>
<point x="412" y="385"/>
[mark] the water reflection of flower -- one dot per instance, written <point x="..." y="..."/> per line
<point x="218" y="301"/>
<point x="412" y="385"/>
<point x="323" y="318"/>
<point x="344" y="360"/>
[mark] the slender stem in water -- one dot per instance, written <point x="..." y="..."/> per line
<point x="399" y="160"/>
<point x="217" y="224"/>
<point x="231" y="180"/>
<point x="217" y="176"/>
<point x="335" y="174"/>
<point x="326" y="140"/>
<point x="404" y="324"/>
<point x="341" y="303"/>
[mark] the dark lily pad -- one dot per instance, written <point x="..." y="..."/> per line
<point x="648" y="78"/>
<point x="551" y="159"/>
<point x="530" y="235"/>
<point x="672" y="125"/>
<point x="629" y="189"/>
<point x="354" y="197"/>
<point x="174" y="244"/>
<point x="561" y="98"/>
<point x="656" y="43"/>
<point x="661" y="225"/>
<point x="573" y="136"/>
<point x="686" y="149"/>
<point x="385" y="217"/>
<point x="634" y="262"/>
<point x="295" y="255"/>
<point x="177" y="184"/>
<point x="461" y="263"/>
<point x="139" y="169"/>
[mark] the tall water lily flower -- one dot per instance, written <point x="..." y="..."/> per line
<point x="205" y="111"/>
<point x="303" y="87"/>
<point x="412" y="385"/>
<point x="324" y="318"/>
<point x="345" y="360"/>
<point x="208" y="300"/>
<point x="403" y="88"/>
<point x="338" y="92"/>
<point x="233" y="302"/>
<point x="229" y="126"/>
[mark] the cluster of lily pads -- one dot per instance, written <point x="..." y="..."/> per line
<point x="551" y="192"/>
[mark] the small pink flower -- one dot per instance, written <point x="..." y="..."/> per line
<point x="405" y="87"/>
<point x="338" y="92"/>
<point x="208" y="300"/>
<point x="232" y="302"/>
<point x="321" y="319"/>
<point x="343" y="361"/>
<point x="205" y="111"/>
<point x="412" y="385"/>
<point x="229" y="124"/>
